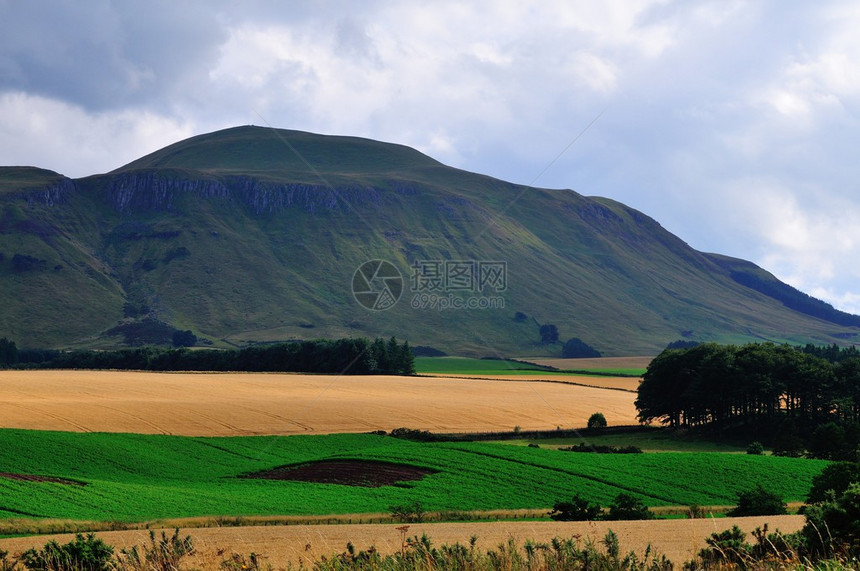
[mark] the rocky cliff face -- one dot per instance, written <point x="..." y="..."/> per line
<point x="135" y="192"/>
<point x="51" y="195"/>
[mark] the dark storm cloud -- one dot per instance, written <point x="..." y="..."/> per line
<point x="106" y="55"/>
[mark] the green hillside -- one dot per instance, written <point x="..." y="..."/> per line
<point x="254" y="235"/>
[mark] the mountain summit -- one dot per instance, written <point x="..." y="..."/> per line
<point x="254" y="234"/>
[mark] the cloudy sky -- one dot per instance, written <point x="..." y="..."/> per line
<point x="735" y="124"/>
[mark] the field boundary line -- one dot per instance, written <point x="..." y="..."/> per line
<point x="558" y="382"/>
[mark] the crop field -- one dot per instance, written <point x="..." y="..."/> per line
<point x="277" y="545"/>
<point x="226" y="404"/>
<point x="468" y="365"/>
<point x="134" y="477"/>
<point x="610" y="365"/>
<point x="649" y="440"/>
<point x="463" y="367"/>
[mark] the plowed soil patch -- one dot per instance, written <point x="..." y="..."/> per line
<point x="365" y="473"/>
<point x="35" y="478"/>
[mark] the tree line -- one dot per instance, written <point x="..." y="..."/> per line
<point x="798" y="393"/>
<point x="358" y="356"/>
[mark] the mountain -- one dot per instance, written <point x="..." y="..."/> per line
<point x="254" y="234"/>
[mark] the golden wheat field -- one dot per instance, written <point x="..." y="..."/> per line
<point x="678" y="539"/>
<point x="227" y="404"/>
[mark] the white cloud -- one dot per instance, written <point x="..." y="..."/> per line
<point x="733" y="123"/>
<point x="809" y="247"/>
<point x="76" y="143"/>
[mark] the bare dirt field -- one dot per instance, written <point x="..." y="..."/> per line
<point x="679" y="540"/>
<point x="228" y="404"/>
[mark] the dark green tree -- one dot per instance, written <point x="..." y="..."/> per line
<point x="833" y="526"/>
<point x="758" y="501"/>
<point x="577" y="509"/>
<point x="827" y="442"/>
<point x="8" y="352"/>
<point x="628" y="507"/>
<point x="184" y="338"/>
<point x="576" y="348"/>
<point x="755" y="448"/>
<point x="597" y="420"/>
<point x="548" y="333"/>
<point x="833" y="481"/>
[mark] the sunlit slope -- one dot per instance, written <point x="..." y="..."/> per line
<point x="253" y="234"/>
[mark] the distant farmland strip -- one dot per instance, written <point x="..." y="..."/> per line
<point x="134" y="477"/>
<point x="226" y="404"/>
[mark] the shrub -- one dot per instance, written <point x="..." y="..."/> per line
<point x="160" y="555"/>
<point x="184" y="338"/>
<point x="626" y="506"/>
<point x="414" y="434"/>
<point x="756" y="448"/>
<point x="548" y="333"/>
<point x="412" y="512"/>
<point x="597" y="420"/>
<point x="602" y="449"/>
<point x="728" y="545"/>
<point x="834" y="525"/>
<point x="84" y="554"/>
<point x="833" y="481"/>
<point x="576" y="348"/>
<point x="759" y="501"/>
<point x="577" y="509"/>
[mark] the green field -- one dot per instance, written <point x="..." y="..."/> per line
<point x="470" y="366"/>
<point x="621" y="372"/>
<point x="132" y="477"/>
<point x="649" y="440"/>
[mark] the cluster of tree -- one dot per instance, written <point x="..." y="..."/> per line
<point x="8" y="353"/>
<point x="682" y="344"/>
<point x="576" y="348"/>
<point x="596" y="421"/>
<point x="623" y="507"/>
<point x="801" y="399"/>
<point x="831" y="532"/>
<point x="342" y="356"/>
<point x="548" y="334"/>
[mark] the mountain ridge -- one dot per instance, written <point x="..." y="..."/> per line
<point x="252" y="235"/>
